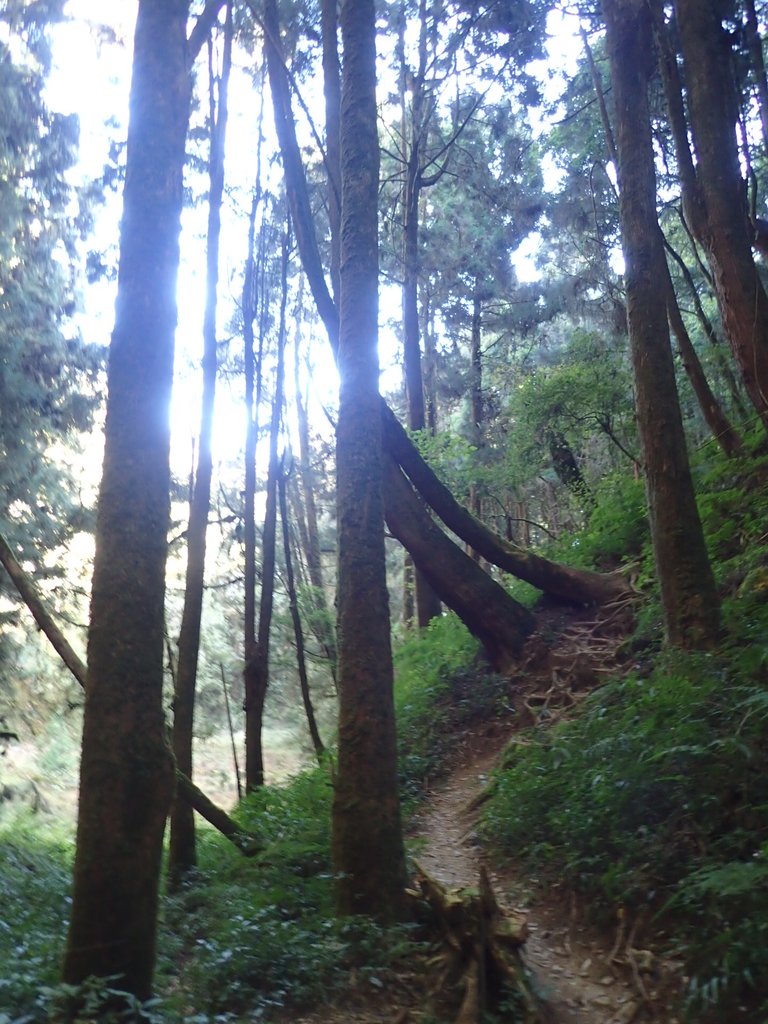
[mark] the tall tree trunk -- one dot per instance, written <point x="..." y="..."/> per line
<point x="298" y="632"/>
<point x="426" y="600"/>
<point x="126" y="771"/>
<point x="182" y="855"/>
<point x="321" y="618"/>
<point x="562" y="582"/>
<point x="689" y="597"/>
<point x="721" y="429"/>
<point x="332" y="87"/>
<point x="718" y="423"/>
<point x="253" y="300"/>
<point x="367" y="840"/>
<point x="256" y="672"/>
<point x="293" y="170"/>
<point x="726" y="232"/>
<point x="755" y="47"/>
<point x="476" y="391"/>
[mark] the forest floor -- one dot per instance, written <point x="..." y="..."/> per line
<point x="582" y="975"/>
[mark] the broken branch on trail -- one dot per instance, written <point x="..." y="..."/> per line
<point x="482" y="942"/>
<point x="187" y="790"/>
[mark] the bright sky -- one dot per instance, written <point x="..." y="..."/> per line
<point x="92" y="78"/>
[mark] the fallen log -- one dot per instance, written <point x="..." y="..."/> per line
<point x="187" y="790"/>
<point x="482" y="943"/>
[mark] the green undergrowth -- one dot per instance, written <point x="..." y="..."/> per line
<point x="35" y="878"/>
<point x="443" y="687"/>
<point x="254" y="935"/>
<point x="653" y="798"/>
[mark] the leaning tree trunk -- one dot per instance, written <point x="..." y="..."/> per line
<point x="126" y="772"/>
<point x="367" y="841"/>
<point x="256" y="671"/>
<point x="182" y="853"/>
<point x="689" y="597"/>
<point x="718" y="423"/>
<point x="486" y="609"/>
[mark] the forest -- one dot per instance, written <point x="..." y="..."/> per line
<point x="384" y="517"/>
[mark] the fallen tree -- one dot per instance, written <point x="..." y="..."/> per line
<point x="185" y="787"/>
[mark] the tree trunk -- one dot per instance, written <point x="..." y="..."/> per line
<point x="755" y="47"/>
<point x="182" y="855"/>
<point x="726" y="233"/>
<point x="561" y="582"/>
<point x="293" y="170"/>
<point x="321" y="617"/>
<point x="718" y="423"/>
<point x="126" y="772"/>
<point x="426" y="601"/>
<point x="367" y="843"/>
<point x="716" y="345"/>
<point x="689" y="597"/>
<point x="476" y="395"/>
<point x="298" y="633"/>
<point x="486" y="609"/>
<point x="252" y="366"/>
<point x="256" y="672"/>
<point x="332" y="87"/>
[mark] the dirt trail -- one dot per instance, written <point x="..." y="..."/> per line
<point x="570" y="967"/>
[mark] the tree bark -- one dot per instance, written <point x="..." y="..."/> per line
<point x="725" y="232"/>
<point x="367" y="842"/>
<point x="256" y="672"/>
<point x="182" y="853"/>
<point x="689" y="597"/>
<point x="718" y="423"/>
<point x="126" y="772"/>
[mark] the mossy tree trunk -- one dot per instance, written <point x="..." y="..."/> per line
<point x="689" y="597"/>
<point x="367" y="839"/>
<point x="127" y="774"/>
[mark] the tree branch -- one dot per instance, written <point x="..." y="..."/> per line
<point x="202" y="27"/>
<point x="28" y="592"/>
